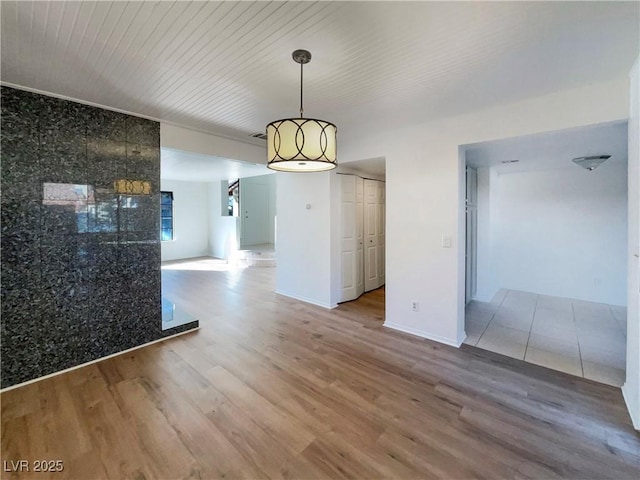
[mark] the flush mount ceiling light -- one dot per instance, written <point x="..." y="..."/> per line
<point x="592" y="162"/>
<point x="301" y="144"/>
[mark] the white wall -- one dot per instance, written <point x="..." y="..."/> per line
<point x="191" y="220"/>
<point x="185" y="139"/>
<point x="222" y="234"/>
<point x="631" y="388"/>
<point x="561" y="232"/>
<point x="425" y="198"/>
<point x="304" y="237"/>
<point x="200" y="229"/>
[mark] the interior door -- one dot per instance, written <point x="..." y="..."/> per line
<point x="371" y="278"/>
<point x="349" y="240"/>
<point x="380" y="222"/>
<point x="359" y="235"/>
<point x="254" y="205"/>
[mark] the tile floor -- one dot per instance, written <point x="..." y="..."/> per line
<point x="574" y="336"/>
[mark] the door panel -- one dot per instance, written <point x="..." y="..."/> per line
<point x="349" y="241"/>
<point x="348" y="277"/>
<point x="359" y="221"/>
<point x="380" y="219"/>
<point x="371" y="277"/>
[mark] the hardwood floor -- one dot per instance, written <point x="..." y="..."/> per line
<point x="271" y="387"/>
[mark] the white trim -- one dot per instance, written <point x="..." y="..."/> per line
<point x="307" y="300"/>
<point x="28" y="382"/>
<point x="127" y="112"/>
<point x="423" y="334"/>
<point x="635" y="417"/>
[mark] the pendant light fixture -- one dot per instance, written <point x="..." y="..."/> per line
<point x="301" y="144"/>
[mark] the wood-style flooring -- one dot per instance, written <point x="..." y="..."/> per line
<point x="270" y="387"/>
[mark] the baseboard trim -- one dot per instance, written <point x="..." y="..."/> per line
<point x="423" y="334"/>
<point x="82" y="365"/>
<point x="307" y="300"/>
<point x="635" y="416"/>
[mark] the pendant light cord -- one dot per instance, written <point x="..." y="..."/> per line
<point x="301" y="109"/>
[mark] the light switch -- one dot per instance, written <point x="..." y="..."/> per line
<point x="446" y="241"/>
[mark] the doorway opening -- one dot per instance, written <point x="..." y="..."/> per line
<point x="257" y="225"/>
<point x="362" y="233"/>
<point x="223" y="220"/>
<point x="546" y="243"/>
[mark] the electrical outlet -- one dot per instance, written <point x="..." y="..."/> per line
<point x="415" y="306"/>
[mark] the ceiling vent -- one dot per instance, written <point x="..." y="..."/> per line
<point x="510" y="161"/>
<point x="259" y="135"/>
<point x="592" y="162"/>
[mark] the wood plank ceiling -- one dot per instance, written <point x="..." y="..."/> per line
<point x="226" y="66"/>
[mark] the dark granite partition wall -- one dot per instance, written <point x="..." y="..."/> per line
<point x="80" y="208"/>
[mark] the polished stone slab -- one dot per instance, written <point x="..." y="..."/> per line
<point x="80" y="274"/>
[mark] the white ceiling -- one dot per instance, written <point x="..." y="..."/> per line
<point x="551" y="150"/>
<point x="226" y="67"/>
<point x="187" y="166"/>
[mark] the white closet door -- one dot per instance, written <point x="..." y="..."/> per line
<point x="371" y="216"/>
<point x="380" y="221"/>
<point x="349" y="239"/>
<point x="359" y="235"/>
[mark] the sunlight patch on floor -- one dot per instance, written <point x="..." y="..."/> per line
<point x="202" y="264"/>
